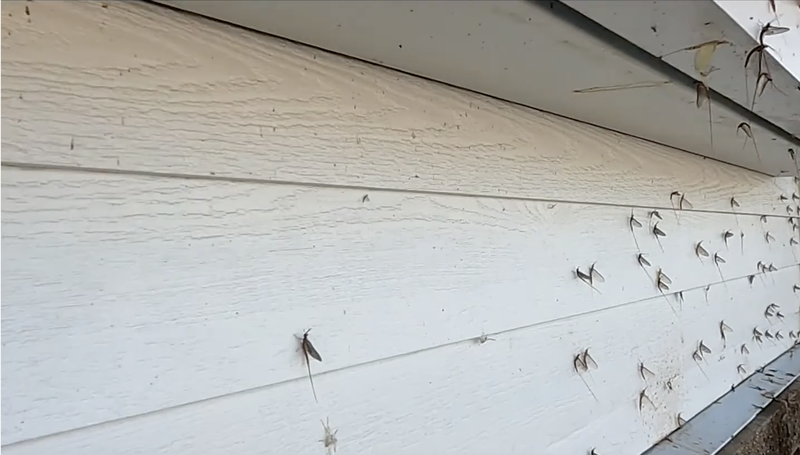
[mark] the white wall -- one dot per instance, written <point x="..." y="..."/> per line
<point x="181" y="198"/>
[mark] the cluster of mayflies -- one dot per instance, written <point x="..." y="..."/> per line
<point x="583" y="362"/>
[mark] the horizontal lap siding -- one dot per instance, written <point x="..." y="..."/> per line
<point x="174" y="213"/>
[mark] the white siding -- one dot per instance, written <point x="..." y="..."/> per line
<point x="181" y="198"/>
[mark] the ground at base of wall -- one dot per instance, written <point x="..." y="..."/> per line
<point x="776" y="431"/>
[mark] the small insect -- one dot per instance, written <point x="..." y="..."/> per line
<point x="734" y="203"/>
<point x="789" y="210"/>
<point x="768" y="334"/>
<point x="719" y="259"/>
<point x="771" y="267"/>
<point x="757" y="335"/>
<point x="329" y="440"/>
<point x="657" y="232"/>
<point x="741" y="370"/>
<point x="783" y="198"/>
<point x="725" y="236"/>
<point x="792" y="241"/>
<point x="792" y="335"/>
<point x="654" y="214"/>
<point x="643" y="261"/>
<point x="595" y="275"/>
<point x="703" y="348"/>
<point x="702" y="96"/>
<point x="750" y="278"/>
<point x="643" y="398"/>
<point x="483" y="339"/>
<point x="705" y="292"/>
<point x="744" y="349"/>
<point x="679" y="296"/>
<point x="309" y="352"/>
<point x="763" y="218"/>
<point x="697" y="356"/>
<point x="682" y="202"/>
<point x="700" y="251"/>
<point x="768" y="313"/>
<point x="795" y="288"/>
<point x="586" y="278"/>
<point x="582" y="362"/>
<point x="644" y="372"/>
<point x="662" y="281"/>
<point x="769" y="237"/>
<point x="795" y="197"/>
<point x="723" y="328"/>
<point x="778" y="335"/>
<point x="633" y="222"/>
<point x="365" y="198"/>
<point x="741" y="241"/>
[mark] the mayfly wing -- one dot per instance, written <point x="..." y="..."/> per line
<point x="588" y="360"/>
<point x="595" y="275"/>
<point x="309" y="348"/>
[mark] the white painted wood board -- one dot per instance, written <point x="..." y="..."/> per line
<point x="152" y="280"/>
<point x="449" y="399"/>
<point x="664" y="28"/>
<point x="519" y="51"/>
<point x="255" y="107"/>
<point x="164" y="245"/>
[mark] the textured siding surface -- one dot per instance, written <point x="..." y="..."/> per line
<point x="181" y="199"/>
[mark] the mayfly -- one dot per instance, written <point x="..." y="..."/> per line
<point x="659" y="233"/>
<point x="795" y="288"/>
<point x="329" y="440"/>
<point x="595" y="275"/>
<point x="723" y="328"/>
<point x="717" y="261"/>
<point x="741" y="241"/>
<point x="769" y="237"/>
<point x="763" y="218"/>
<point x="789" y="210"/>
<point x="644" y="398"/>
<point x="750" y="279"/>
<point x="757" y="335"/>
<point x="697" y="356"/>
<point x="703" y="95"/>
<point x="725" y="236"/>
<point x="662" y="283"/>
<point x="744" y="349"/>
<point x="309" y="352"/>
<point x="792" y="241"/>
<point x="579" y="362"/>
<point x="792" y="335"/>
<point x="705" y="292"/>
<point x="643" y="261"/>
<point x="645" y="372"/>
<point x="634" y="223"/>
<point x="778" y="335"/>
<point x="681" y="421"/>
<point x="748" y="133"/>
<point x="586" y="279"/>
<point x="703" y="348"/>
<point x="768" y="335"/>
<point x="654" y="214"/>
<point x="734" y="203"/>
<point x="779" y="315"/>
<point x="741" y="370"/>
<point x="783" y="198"/>
<point x="795" y="197"/>
<point x="700" y="251"/>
